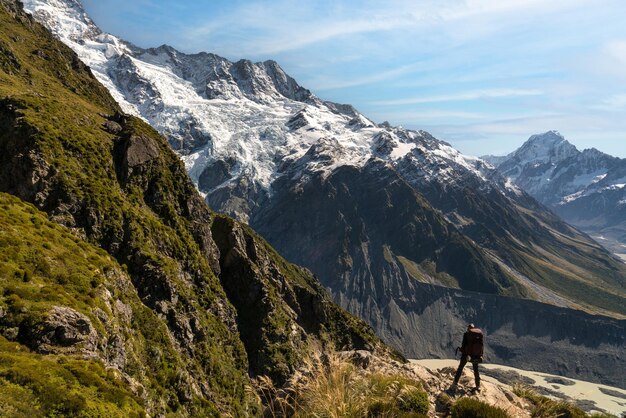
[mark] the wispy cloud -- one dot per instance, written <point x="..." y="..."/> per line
<point x="617" y="101"/>
<point x="285" y="25"/>
<point x="378" y="76"/>
<point x="570" y="125"/>
<point x="467" y="69"/>
<point x="613" y="103"/>
<point x="458" y="97"/>
<point x="425" y="117"/>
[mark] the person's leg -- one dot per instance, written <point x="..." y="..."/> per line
<point x="476" y="374"/>
<point x="459" y="371"/>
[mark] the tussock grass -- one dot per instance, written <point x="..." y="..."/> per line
<point x="335" y="388"/>
<point x="473" y="408"/>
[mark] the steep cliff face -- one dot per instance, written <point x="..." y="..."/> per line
<point x="167" y="327"/>
<point x="282" y="310"/>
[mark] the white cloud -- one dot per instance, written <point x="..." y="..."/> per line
<point x="469" y="95"/>
<point x="285" y="25"/>
<point x="420" y="118"/>
<point x="368" y="79"/>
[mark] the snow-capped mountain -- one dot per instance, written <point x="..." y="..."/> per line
<point x="375" y="211"/>
<point x="587" y="188"/>
<point x="248" y="118"/>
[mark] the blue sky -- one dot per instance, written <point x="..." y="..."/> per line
<point x="483" y="75"/>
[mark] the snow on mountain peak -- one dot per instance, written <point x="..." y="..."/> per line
<point x="553" y="136"/>
<point x="65" y="18"/>
<point x="549" y="147"/>
<point x="255" y="114"/>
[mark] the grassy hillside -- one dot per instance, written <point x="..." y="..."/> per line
<point x="43" y="268"/>
<point x="58" y="153"/>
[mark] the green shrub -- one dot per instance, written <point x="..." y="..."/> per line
<point x="380" y="408"/>
<point x="473" y="408"/>
<point x="414" y="400"/>
<point x="445" y="401"/>
<point x="548" y="408"/>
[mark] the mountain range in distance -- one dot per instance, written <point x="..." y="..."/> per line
<point x="586" y="188"/>
<point x="402" y="229"/>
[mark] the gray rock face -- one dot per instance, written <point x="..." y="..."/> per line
<point x="139" y="150"/>
<point x="62" y="331"/>
<point x="215" y="174"/>
<point x="279" y="308"/>
<point x="188" y="137"/>
<point x="123" y="72"/>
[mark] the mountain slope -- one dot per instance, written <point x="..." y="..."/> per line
<point x="244" y="129"/>
<point x="260" y="147"/>
<point x="586" y="187"/>
<point x="154" y="311"/>
<point x="72" y="300"/>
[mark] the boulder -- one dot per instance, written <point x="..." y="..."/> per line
<point x="61" y="330"/>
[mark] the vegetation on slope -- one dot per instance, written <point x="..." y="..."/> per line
<point x="547" y="251"/>
<point x="115" y="180"/>
<point x="44" y="267"/>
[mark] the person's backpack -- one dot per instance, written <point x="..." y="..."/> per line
<point x="474" y="343"/>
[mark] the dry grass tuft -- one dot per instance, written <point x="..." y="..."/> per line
<point x="334" y="388"/>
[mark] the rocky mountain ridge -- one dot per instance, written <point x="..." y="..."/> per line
<point x="373" y="210"/>
<point x="586" y="187"/>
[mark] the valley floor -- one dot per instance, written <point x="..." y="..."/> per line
<point x="589" y="396"/>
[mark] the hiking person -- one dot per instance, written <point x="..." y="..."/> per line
<point x="472" y="350"/>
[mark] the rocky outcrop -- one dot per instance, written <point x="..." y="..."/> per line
<point x="281" y="308"/>
<point x="61" y="331"/>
